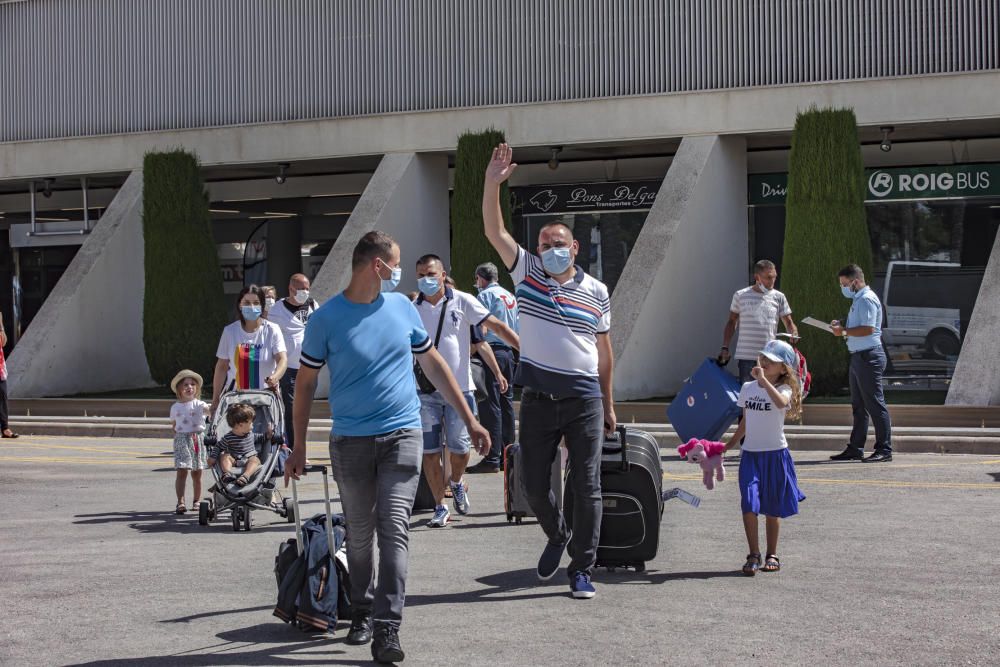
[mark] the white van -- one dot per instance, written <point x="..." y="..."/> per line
<point x="922" y="306"/>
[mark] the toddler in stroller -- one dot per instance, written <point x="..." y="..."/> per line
<point x="239" y="446"/>
<point x="246" y="451"/>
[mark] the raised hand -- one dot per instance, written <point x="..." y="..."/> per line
<point x="500" y="167"/>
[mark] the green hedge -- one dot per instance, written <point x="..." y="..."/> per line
<point x="184" y="307"/>
<point x="469" y="245"/>
<point x="825" y="229"/>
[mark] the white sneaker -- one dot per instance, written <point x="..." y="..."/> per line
<point x="460" y="496"/>
<point x="440" y="518"/>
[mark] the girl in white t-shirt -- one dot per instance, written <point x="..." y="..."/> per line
<point x="768" y="484"/>
<point x="187" y="416"/>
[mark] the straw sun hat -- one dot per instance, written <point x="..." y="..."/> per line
<point x="186" y="374"/>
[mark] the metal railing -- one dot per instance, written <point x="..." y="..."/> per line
<point x="94" y="67"/>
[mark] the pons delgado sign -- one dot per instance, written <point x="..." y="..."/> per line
<point x="586" y="197"/>
<point x="891" y="184"/>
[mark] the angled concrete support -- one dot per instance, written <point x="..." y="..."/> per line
<point x="87" y="337"/>
<point x="407" y="198"/>
<point x="976" y="381"/>
<point x="673" y="297"/>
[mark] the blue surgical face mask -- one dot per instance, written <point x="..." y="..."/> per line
<point x="394" y="278"/>
<point x="847" y="291"/>
<point x="428" y="285"/>
<point x="557" y="260"/>
<point x="250" y="313"/>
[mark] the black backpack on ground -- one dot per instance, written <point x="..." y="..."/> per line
<point x="314" y="586"/>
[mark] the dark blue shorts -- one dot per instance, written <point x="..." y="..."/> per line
<point x="768" y="484"/>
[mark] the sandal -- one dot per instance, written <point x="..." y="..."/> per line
<point x="227" y="478"/>
<point x="242" y="480"/>
<point x="7" y="433"/>
<point x="771" y="564"/>
<point x="181" y="508"/>
<point x="752" y="565"/>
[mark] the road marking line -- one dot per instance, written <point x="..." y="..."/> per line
<point x="92" y="461"/>
<point x="40" y="445"/>
<point x="885" y="483"/>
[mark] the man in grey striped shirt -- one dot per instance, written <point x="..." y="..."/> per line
<point x="755" y="310"/>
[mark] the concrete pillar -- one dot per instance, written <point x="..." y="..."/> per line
<point x="284" y="252"/>
<point x="407" y="198"/>
<point x="87" y="337"/>
<point x="976" y="381"/>
<point x="672" y="300"/>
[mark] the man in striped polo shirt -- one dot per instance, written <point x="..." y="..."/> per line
<point x="755" y="310"/>
<point x="565" y="368"/>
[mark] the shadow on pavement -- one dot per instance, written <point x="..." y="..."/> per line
<point x="995" y="476"/>
<point x="214" y="655"/>
<point x="633" y="577"/>
<point x="500" y="585"/>
<point x="210" y="614"/>
<point x="169" y="522"/>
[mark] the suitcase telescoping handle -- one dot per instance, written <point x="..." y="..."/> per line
<point x="298" y="514"/>
<point x="620" y="437"/>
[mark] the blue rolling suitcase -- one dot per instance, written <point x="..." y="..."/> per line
<point x="706" y="405"/>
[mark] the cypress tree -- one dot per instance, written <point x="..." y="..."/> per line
<point x="469" y="245"/>
<point x="825" y="229"/>
<point x="183" y="308"/>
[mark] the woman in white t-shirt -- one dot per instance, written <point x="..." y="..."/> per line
<point x="768" y="484"/>
<point x="251" y="352"/>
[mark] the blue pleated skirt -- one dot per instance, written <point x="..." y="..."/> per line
<point x="768" y="484"/>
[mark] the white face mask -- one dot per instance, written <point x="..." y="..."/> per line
<point x="763" y="290"/>
<point x="268" y="303"/>
<point x="301" y="296"/>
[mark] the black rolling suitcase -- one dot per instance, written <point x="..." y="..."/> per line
<point x="632" y="493"/>
<point x="515" y="500"/>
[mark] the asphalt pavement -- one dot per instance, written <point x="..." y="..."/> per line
<point x="886" y="564"/>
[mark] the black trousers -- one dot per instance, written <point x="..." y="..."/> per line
<point x="867" y="399"/>
<point x="4" y="415"/>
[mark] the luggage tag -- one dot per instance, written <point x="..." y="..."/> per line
<point x="689" y="498"/>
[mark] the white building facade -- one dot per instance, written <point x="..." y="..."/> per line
<point x="659" y="130"/>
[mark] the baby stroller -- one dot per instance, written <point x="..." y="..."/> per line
<point x="260" y="492"/>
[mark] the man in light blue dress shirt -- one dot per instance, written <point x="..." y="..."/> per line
<point x="863" y="333"/>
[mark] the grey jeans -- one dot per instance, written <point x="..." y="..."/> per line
<point x="377" y="476"/>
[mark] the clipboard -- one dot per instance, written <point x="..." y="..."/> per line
<point x="813" y="322"/>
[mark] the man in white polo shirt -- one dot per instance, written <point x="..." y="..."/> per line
<point x="448" y="316"/>
<point x="755" y="310"/>
<point x="565" y="368"/>
<point x="291" y="315"/>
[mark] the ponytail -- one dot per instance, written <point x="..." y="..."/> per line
<point x="790" y="377"/>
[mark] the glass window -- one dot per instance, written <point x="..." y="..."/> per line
<point x="606" y="239"/>
<point x="929" y="259"/>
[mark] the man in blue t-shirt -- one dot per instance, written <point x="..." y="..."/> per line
<point x="863" y="333"/>
<point x="368" y="336"/>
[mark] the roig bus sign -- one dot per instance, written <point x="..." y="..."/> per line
<point x="930" y="183"/>
<point x="955" y="181"/>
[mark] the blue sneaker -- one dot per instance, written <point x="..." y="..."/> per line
<point x="460" y="496"/>
<point x="581" y="587"/>
<point x="548" y="563"/>
<point x="440" y="518"/>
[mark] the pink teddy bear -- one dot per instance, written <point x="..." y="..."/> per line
<point x="708" y="455"/>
